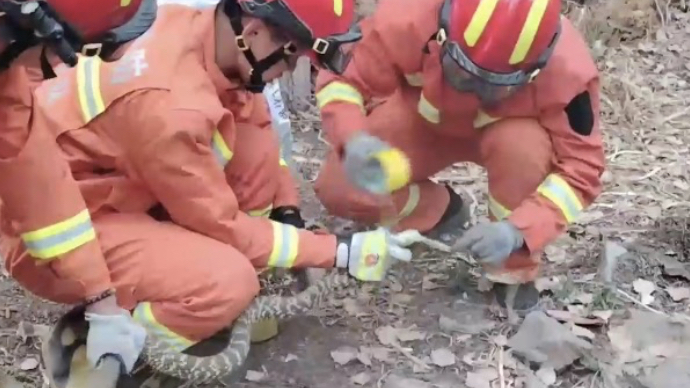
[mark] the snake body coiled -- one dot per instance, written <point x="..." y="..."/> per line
<point x="183" y="366"/>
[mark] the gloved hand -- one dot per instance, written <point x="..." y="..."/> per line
<point x="287" y="215"/>
<point x="491" y="243"/>
<point x="374" y="166"/>
<point x="114" y="334"/>
<point x="368" y="255"/>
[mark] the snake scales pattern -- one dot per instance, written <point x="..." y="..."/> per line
<point x="159" y="357"/>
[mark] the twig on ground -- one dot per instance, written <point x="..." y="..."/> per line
<point x="501" y="372"/>
<point x="412" y="358"/>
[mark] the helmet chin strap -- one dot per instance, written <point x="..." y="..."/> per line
<point x="256" y="82"/>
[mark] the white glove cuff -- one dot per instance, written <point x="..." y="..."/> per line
<point x="342" y="255"/>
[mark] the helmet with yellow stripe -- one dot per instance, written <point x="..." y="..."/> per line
<point x="492" y="47"/>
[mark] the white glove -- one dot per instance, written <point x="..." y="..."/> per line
<point x="117" y="335"/>
<point x="368" y="255"/>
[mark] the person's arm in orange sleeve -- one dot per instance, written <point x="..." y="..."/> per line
<point x="575" y="180"/>
<point x="171" y="150"/>
<point x="40" y="196"/>
<point x="375" y="70"/>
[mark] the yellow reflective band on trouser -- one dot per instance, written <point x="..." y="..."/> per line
<point x="373" y="244"/>
<point x="125" y="3"/>
<point x="558" y="191"/>
<point x="61" y="237"/>
<point x="265" y="212"/>
<point x="339" y="92"/>
<point x="144" y="316"/>
<point x="285" y="245"/>
<point x="414" y="79"/>
<point x="89" y="87"/>
<point x="479" y="20"/>
<point x="529" y="31"/>
<point x="283" y="163"/>
<point x="428" y="111"/>
<point x="220" y="149"/>
<point x="410" y="205"/>
<point x="497" y="210"/>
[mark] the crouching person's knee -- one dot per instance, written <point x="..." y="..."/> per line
<point x="218" y="299"/>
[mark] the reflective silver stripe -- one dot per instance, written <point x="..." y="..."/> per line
<point x="61" y="237"/>
<point x="89" y="87"/>
<point x="428" y="111"/>
<point x="558" y="191"/>
<point x="285" y="245"/>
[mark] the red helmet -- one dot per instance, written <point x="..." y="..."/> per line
<point x="323" y="26"/>
<point x="491" y="47"/>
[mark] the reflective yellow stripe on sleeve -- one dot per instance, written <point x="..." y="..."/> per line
<point x="221" y="150"/>
<point x="285" y="245"/>
<point x="283" y="163"/>
<point x="144" y="316"/>
<point x="339" y="92"/>
<point x="558" y="191"/>
<point x="265" y="212"/>
<point x="89" y="87"/>
<point x="61" y="237"/>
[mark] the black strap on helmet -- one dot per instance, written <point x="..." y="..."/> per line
<point x="256" y="82"/>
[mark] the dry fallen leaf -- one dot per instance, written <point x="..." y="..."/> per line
<point x="7" y="381"/>
<point x="387" y="335"/>
<point x="344" y="354"/>
<point x="395" y="381"/>
<point x="254" y="376"/>
<point x="361" y="378"/>
<point x="644" y="288"/>
<point x="443" y="357"/>
<point x="603" y="314"/>
<point x="555" y="254"/>
<point x="429" y="284"/>
<point x="409" y="334"/>
<point x="584" y="298"/>
<point x="581" y="331"/>
<point x="29" y="364"/>
<point x="481" y="378"/>
<point x="546" y="375"/>
<point x="550" y="283"/>
<point x="678" y="293"/>
<point x="569" y="316"/>
<point x="378" y="352"/>
<point x="290" y="357"/>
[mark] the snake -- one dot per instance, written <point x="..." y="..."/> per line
<point x="159" y="357"/>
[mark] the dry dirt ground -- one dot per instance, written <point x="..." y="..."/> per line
<point x="615" y="288"/>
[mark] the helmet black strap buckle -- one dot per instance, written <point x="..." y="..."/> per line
<point x="320" y="46"/>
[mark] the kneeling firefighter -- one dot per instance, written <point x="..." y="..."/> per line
<point x="173" y="151"/>
<point x="43" y="211"/>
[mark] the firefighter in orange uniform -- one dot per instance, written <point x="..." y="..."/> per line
<point x="42" y="210"/>
<point x="172" y="155"/>
<point x="507" y="84"/>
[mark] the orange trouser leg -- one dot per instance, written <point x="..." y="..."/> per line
<point x="256" y="174"/>
<point x="517" y="155"/>
<point x="418" y="206"/>
<point x="180" y="284"/>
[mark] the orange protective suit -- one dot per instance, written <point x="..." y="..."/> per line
<point x="541" y="172"/>
<point x="41" y="207"/>
<point x="163" y="129"/>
